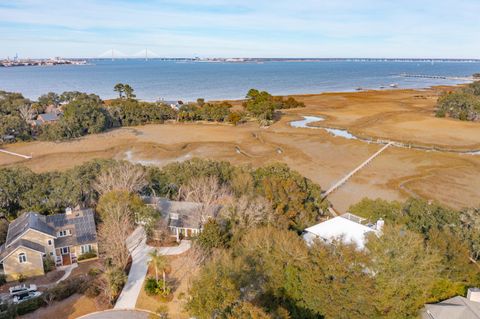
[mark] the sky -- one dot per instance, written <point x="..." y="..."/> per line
<point x="241" y="28"/>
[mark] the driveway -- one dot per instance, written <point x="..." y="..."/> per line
<point x="117" y="314"/>
<point x="139" y="250"/>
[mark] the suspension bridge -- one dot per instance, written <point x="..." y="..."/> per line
<point x="142" y="54"/>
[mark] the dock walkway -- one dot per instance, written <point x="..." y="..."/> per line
<point x="356" y="170"/>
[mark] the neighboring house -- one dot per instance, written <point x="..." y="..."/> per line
<point x="347" y="227"/>
<point x="32" y="237"/>
<point x="182" y="218"/>
<point x="46" y="118"/>
<point x="173" y="104"/>
<point x="455" y="308"/>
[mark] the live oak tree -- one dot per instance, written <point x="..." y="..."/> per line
<point x="404" y="270"/>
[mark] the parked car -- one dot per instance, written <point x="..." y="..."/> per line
<point x="26" y="296"/>
<point x="22" y="288"/>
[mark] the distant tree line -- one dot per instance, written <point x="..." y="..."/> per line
<point x="462" y="104"/>
<point x="83" y="113"/>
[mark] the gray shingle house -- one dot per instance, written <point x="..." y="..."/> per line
<point x="182" y="218"/>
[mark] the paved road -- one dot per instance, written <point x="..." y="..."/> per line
<point x="117" y="314"/>
<point x="139" y="250"/>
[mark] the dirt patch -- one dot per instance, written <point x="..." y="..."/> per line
<point x="70" y="308"/>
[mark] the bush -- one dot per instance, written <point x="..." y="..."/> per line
<point x="30" y="305"/>
<point x="3" y="279"/>
<point x="93" y="272"/>
<point x="151" y="286"/>
<point x="93" y="289"/>
<point x="48" y="264"/>
<point x="65" y="289"/>
<point x="21" y="278"/>
<point x="154" y="288"/>
<point x="88" y="255"/>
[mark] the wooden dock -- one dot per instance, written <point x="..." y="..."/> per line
<point x="15" y="154"/>
<point x="356" y="170"/>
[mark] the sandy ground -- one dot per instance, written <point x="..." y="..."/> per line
<point x="399" y="115"/>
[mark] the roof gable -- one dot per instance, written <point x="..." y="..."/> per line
<point x="339" y="228"/>
<point x="27" y="221"/>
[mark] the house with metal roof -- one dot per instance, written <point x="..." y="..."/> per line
<point x="348" y="228"/>
<point x="32" y="238"/>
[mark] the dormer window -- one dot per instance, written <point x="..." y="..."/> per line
<point x="49" y="242"/>
<point x="22" y="258"/>
<point x="63" y="233"/>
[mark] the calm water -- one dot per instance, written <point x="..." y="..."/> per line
<point x="156" y="79"/>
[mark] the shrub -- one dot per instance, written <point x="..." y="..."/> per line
<point x="154" y="288"/>
<point x="89" y="255"/>
<point x="21" y="278"/>
<point x="48" y="264"/>
<point x="30" y="305"/>
<point x="66" y="288"/>
<point x="93" y="289"/>
<point x="93" y="272"/>
<point x="3" y="279"/>
<point x="151" y="286"/>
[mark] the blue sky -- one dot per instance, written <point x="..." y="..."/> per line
<point x="242" y="28"/>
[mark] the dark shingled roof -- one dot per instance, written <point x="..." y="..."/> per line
<point x="5" y="251"/>
<point x="81" y="223"/>
<point x="27" y="221"/>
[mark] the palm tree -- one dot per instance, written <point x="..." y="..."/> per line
<point x="120" y="88"/>
<point x="160" y="263"/>
<point x="128" y="91"/>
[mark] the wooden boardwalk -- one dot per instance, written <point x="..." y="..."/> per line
<point x="15" y="154"/>
<point x="356" y="170"/>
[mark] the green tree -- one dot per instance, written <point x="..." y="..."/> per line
<point x="405" y="271"/>
<point x="120" y="89"/>
<point x="375" y="209"/>
<point x="336" y="273"/>
<point x="212" y="236"/>
<point x="214" y="290"/>
<point x="128" y="91"/>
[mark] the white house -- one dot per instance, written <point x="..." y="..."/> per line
<point x="347" y="227"/>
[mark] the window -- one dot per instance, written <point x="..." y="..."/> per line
<point x="51" y="253"/>
<point x="65" y="250"/>
<point x="22" y="258"/>
<point x="64" y="233"/>
<point x="49" y="242"/>
<point x="86" y="249"/>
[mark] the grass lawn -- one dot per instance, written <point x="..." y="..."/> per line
<point x="178" y="278"/>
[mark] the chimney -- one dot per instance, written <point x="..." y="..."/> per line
<point x="473" y="294"/>
<point x="68" y="210"/>
<point x="380" y="224"/>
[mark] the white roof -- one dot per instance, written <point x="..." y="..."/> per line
<point x="339" y="228"/>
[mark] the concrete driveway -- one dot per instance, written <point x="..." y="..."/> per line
<point x="117" y="314"/>
<point x="139" y="250"/>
